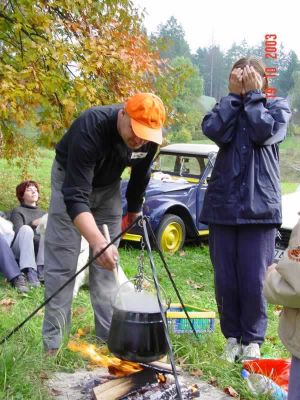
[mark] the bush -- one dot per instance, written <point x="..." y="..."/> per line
<point x="291" y="130"/>
<point x="182" y="136"/>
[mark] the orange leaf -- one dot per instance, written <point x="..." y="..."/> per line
<point x="229" y="390"/>
<point x="7" y="302"/>
<point x="197" y="372"/>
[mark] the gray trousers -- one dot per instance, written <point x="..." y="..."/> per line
<point x="62" y="246"/>
<point x="294" y="381"/>
<point x="23" y="248"/>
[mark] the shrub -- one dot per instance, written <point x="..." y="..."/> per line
<point x="182" y="136"/>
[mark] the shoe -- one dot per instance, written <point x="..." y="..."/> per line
<point x="40" y="273"/>
<point x="250" y="351"/>
<point x="32" y="277"/>
<point x="232" y="350"/>
<point x="19" y="283"/>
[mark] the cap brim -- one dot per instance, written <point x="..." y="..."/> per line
<point x="146" y="133"/>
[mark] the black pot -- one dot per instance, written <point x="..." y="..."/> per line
<point x="137" y="336"/>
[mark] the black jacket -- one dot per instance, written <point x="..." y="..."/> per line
<point x="94" y="155"/>
<point x="245" y="185"/>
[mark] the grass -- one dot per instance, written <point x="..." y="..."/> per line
<point x="24" y="369"/>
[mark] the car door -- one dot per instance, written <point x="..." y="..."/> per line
<point x="207" y="163"/>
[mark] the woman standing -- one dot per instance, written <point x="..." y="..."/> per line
<point x="242" y="205"/>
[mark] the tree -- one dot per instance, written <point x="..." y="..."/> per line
<point x="211" y="65"/>
<point x="295" y="97"/>
<point x="237" y="51"/>
<point x="58" y="57"/>
<point x="170" y="39"/>
<point x="288" y="63"/>
<point x="182" y="79"/>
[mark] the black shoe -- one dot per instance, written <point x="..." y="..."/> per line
<point x="40" y="273"/>
<point x="19" y="283"/>
<point x="32" y="277"/>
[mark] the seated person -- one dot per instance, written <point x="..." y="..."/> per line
<point x="27" y="242"/>
<point x="177" y="166"/>
<point x="181" y="164"/>
<point x="184" y="168"/>
<point x="9" y="267"/>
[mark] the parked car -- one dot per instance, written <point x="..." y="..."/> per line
<point x="290" y="216"/>
<point x="174" y="196"/>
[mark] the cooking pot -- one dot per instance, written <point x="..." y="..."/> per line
<point x="137" y="331"/>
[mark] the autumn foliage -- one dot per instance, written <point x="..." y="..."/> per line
<point x="58" y="57"/>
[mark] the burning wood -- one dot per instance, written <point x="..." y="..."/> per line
<point x="161" y="378"/>
<point x="96" y="357"/>
<point x="145" y="385"/>
<point x="118" y="388"/>
<point x="151" y="381"/>
<point x="159" y="391"/>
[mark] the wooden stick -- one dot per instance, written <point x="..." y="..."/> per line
<point x="118" y="388"/>
<point x="160" y="366"/>
<point x="107" y="237"/>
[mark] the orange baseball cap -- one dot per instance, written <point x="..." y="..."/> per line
<point x="147" y="114"/>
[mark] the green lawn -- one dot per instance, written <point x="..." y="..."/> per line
<point x="23" y="367"/>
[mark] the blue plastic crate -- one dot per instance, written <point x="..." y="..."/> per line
<point x="203" y="320"/>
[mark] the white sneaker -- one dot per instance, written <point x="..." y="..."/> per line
<point x="232" y="350"/>
<point x="250" y="351"/>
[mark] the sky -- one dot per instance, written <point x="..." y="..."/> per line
<point x="223" y="22"/>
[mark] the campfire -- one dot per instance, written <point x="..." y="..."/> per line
<point x="96" y="357"/>
<point x="132" y="381"/>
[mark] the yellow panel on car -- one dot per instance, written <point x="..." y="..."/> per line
<point x="132" y="237"/>
<point x="204" y="232"/>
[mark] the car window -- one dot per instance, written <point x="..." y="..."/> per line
<point x="164" y="163"/>
<point x="181" y="165"/>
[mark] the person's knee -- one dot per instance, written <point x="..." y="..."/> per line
<point x="27" y="231"/>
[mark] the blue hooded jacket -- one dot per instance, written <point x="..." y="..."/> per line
<point x="244" y="187"/>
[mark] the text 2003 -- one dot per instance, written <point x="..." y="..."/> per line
<point x="271" y="53"/>
<point x="271" y="46"/>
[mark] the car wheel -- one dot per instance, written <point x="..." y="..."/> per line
<point x="171" y="233"/>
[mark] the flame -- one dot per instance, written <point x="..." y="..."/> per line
<point x="95" y="355"/>
<point x="161" y="378"/>
<point x="83" y="331"/>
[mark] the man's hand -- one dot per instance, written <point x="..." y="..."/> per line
<point x="132" y="216"/>
<point x="235" y="81"/>
<point x="251" y="79"/>
<point x="109" y="258"/>
<point x="129" y="218"/>
<point x="271" y="268"/>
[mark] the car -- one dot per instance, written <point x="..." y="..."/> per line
<point x="290" y="216"/>
<point x="175" y="194"/>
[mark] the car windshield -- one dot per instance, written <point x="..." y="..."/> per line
<point x="180" y="165"/>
